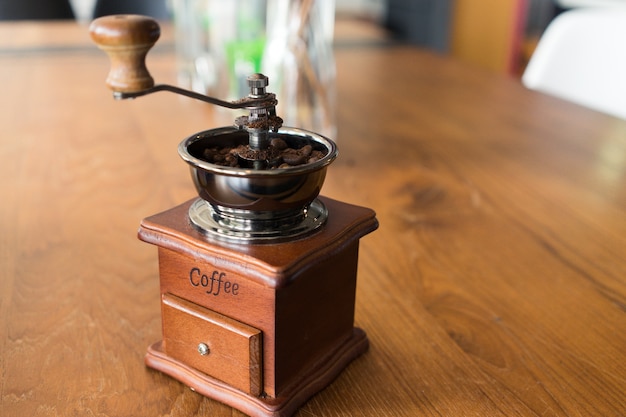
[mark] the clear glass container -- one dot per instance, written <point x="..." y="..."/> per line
<point x="219" y="43"/>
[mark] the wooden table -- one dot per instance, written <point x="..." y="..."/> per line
<point x="495" y="286"/>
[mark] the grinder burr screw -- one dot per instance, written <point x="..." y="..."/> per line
<point x="257" y="84"/>
<point x="127" y="39"/>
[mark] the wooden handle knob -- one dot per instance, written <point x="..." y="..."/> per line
<point x="126" y="39"/>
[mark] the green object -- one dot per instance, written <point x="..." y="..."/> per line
<point x="244" y="57"/>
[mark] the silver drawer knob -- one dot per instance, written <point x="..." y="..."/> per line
<point x="203" y="349"/>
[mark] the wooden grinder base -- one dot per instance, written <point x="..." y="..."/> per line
<point x="260" y="327"/>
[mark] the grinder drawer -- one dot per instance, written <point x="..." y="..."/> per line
<point x="219" y="346"/>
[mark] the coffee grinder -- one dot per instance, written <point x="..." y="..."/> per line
<point x="257" y="273"/>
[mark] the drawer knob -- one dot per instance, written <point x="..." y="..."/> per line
<point x="203" y="349"/>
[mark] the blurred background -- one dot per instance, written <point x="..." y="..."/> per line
<point x="496" y="34"/>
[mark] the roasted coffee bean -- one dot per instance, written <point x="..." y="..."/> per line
<point x="231" y="160"/>
<point x="306" y="150"/>
<point x="279" y="144"/>
<point x="293" y="157"/>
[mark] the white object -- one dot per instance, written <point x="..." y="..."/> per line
<point x="83" y="9"/>
<point x="570" y="4"/>
<point x="581" y="57"/>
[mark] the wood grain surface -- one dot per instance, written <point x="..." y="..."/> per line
<point x="495" y="285"/>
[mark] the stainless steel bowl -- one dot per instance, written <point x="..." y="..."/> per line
<point x="250" y="204"/>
